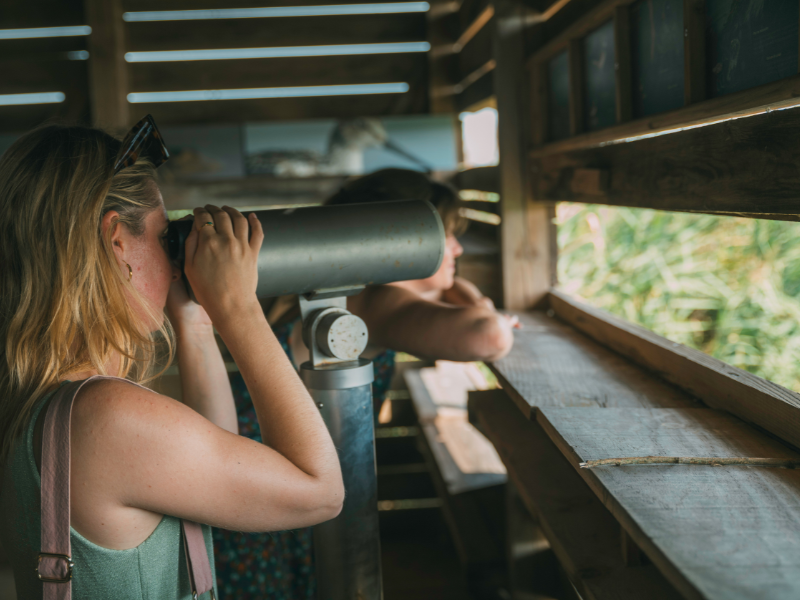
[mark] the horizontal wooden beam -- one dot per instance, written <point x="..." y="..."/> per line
<point x="276" y="72"/>
<point x="276" y="32"/>
<point x="18" y="119"/>
<point x="148" y="5"/>
<point x="743" y="163"/>
<point x="476" y="52"/>
<point x="21" y="14"/>
<point x="722" y="386"/>
<point x="414" y="101"/>
<point x="21" y="76"/>
<point x="484" y="179"/>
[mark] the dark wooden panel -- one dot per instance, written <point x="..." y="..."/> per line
<point x="722" y="386"/>
<point x="470" y="10"/>
<point x="276" y="72"/>
<point x="716" y="533"/>
<point x="657" y="56"/>
<point x="749" y="44"/>
<point x="42" y="48"/>
<point x="46" y="75"/>
<point x="694" y="52"/>
<point x="581" y="531"/>
<point x="552" y="364"/>
<point x="745" y="165"/>
<point x="599" y="107"/>
<point x="558" y="122"/>
<point x="478" y="91"/>
<point x="484" y="179"/>
<point x="147" y="5"/>
<point x="477" y="51"/>
<point x="18" y="119"/>
<point x="227" y="111"/>
<point x="274" y="32"/>
<point x="23" y="14"/>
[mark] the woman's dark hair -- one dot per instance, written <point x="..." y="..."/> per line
<point x="387" y="185"/>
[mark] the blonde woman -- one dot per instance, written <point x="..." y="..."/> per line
<point x="83" y="286"/>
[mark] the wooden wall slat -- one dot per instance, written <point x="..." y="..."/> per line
<point x="235" y="111"/>
<point x="45" y="75"/>
<point x="24" y="14"/>
<point x="576" y="87"/>
<point x="276" y="72"/>
<point x="147" y="5"/>
<point x="694" y="51"/>
<point x="19" y="119"/>
<point x="622" y="72"/>
<point x="276" y="32"/>
<point x="744" y="165"/>
<point x="476" y="53"/>
<point x="108" y="72"/>
<point x="477" y="92"/>
<point x="41" y="48"/>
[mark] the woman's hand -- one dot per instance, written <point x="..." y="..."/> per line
<point x="221" y="263"/>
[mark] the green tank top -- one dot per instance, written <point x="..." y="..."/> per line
<point x="154" y="570"/>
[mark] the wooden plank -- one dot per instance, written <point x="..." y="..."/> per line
<point x="423" y="403"/>
<point x="476" y="53"/>
<point x="576" y="87"/>
<point x="476" y="92"/>
<point x="108" y="76"/>
<point x="743" y="165"/>
<point x="277" y="72"/>
<point x="24" y="14"/>
<point x="525" y="245"/>
<point x="772" y="96"/>
<point x="694" y="51"/>
<point x="148" y="5"/>
<point x="41" y="49"/>
<point x="719" y="385"/>
<point x="21" y="76"/>
<point x="622" y="56"/>
<point x="729" y="532"/>
<point x="484" y="179"/>
<point x="276" y="32"/>
<point x="582" y="532"/>
<point x="552" y="364"/>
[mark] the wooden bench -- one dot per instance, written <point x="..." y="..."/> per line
<point x="467" y="472"/>
<point x="692" y="531"/>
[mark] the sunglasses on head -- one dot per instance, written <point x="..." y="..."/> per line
<point x="143" y="141"/>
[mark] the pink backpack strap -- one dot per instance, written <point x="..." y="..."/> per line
<point x="55" y="559"/>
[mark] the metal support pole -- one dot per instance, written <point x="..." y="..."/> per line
<point x="347" y="548"/>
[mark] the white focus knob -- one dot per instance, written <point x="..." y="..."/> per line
<point x="342" y="335"/>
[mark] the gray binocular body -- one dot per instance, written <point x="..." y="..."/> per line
<point x="333" y="250"/>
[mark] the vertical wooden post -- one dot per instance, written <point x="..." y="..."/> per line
<point x="694" y="51"/>
<point x="622" y="66"/>
<point x="575" y="56"/>
<point x="108" y="74"/>
<point x="524" y="231"/>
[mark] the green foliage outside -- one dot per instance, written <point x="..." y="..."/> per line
<point x="727" y="286"/>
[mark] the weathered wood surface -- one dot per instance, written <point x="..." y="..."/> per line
<point x="582" y="533"/>
<point x="730" y="105"/>
<point x="552" y="364"/>
<point x="484" y="179"/>
<point x="462" y="457"/>
<point x="275" y="32"/>
<point x="108" y="71"/>
<point x="747" y="164"/>
<point x="235" y="111"/>
<point x="716" y="383"/>
<point x="275" y="72"/>
<point x="730" y="532"/>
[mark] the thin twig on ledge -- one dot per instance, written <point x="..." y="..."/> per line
<point x="693" y="460"/>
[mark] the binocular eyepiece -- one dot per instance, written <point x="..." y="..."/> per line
<point x="329" y="249"/>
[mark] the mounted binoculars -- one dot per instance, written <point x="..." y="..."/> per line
<point x="335" y="250"/>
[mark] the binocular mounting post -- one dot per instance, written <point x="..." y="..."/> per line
<point x="347" y="548"/>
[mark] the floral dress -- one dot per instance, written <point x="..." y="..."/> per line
<point x="275" y="565"/>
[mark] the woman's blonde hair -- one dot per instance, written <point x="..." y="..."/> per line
<point x="65" y="305"/>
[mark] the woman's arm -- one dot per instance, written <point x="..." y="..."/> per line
<point x="204" y="379"/>
<point x="136" y="452"/>
<point x="398" y="318"/>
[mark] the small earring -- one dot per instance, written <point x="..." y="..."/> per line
<point x="130" y="272"/>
